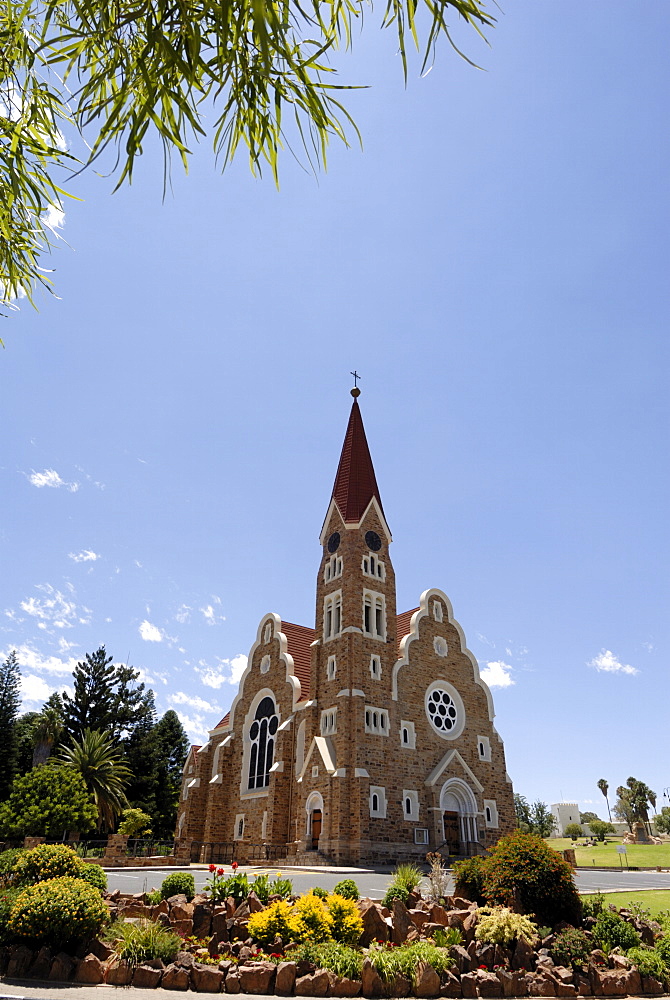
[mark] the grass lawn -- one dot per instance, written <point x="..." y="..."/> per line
<point x="605" y="855"/>
<point x="653" y="900"/>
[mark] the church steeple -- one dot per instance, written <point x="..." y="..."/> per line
<point x="355" y="482"/>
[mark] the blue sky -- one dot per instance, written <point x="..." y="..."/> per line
<point x="494" y="263"/>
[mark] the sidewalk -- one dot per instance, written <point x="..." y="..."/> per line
<point x="71" y="991"/>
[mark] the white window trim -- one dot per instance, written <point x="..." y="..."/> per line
<point x="421" y="835"/>
<point x="239" y="819"/>
<point x="382" y="727"/>
<point x="485" y="743"/>
<point x="329" y="721"/>
<point x="491" y="814"/>
<point x="264" y="826"/>
<point x="413" y="796"/>
<point x="265" y="664"/>
<point x="376" y="667"/>
<point x="460" y="710"/>
<point x="331" y="668"/>
<point x="440" y="645"/>
<point x="438" y="611"/>
<point x="332" y="603"/>
<point x="373" y="567"/>
<point x="332" y="568"/>
<point x="411" y="733"/>
<point x="380" y="792"/>
<point x="375" y="601"/>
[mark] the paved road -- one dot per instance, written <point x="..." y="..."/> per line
<point x="374" y="883"/>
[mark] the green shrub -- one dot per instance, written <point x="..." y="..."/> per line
<point x="500" y="925"/>
<point x="347" y="888"/>
<point x="277" y="919"/>
<point x="178" y="882"/>
<point x="94" y="875"/>
<point x="571" y="947"/>
<point x="318" y="891"/>
<point x="592" y="905"/>
<point x="312" y="921"/>
<point x="145" y="941"/>
<point x="8" y="860"/>
<point x="282" y="887"/>
<point x="408" y="876"/>
<point x="7" y="899"/>
<point x="469" y="876"/>
<point x="60" y="912"/>
<point x="446" y="937"/>
<point x="339" y="958"/>
<point x="523" y="868"/>
<point x="403" y="960"/>
<point x="347" y="924"/>
<point x="573" y="831"/>
<point x="612" y="931"/>
<point x="236" y="885"/>
<point x="154" y="897"/>
<point x="135" y="823"/>
<point x="47" y="861"/>
<point x="599" y="828"/>
<point x="395" y="892"/>
<point x="648" y="962"/>
<point x="663" y="949"/>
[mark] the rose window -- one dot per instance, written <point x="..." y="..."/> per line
<point x="442" y="710"/>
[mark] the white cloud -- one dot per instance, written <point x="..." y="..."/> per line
<point x="183" y="614"/>
<point x="227" y="672"/>
<point x="86" y="555"/>
<point x="180" y="698"/>
<point x="195" y="726"/>
<point x="607" y="662"/>
<point x="150" y="633"/>
<point x="31" y="659"/>
<point x="55" y="609"/>
<point x="497" y="674"/>
<point x="51" y="478"/>
<point x="34" y="689"/>
<point x="209" y="612"/>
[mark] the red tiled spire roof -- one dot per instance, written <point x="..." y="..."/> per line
<point x="355" y="482"/>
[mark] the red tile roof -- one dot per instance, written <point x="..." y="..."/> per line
<point x="299" y="639"/>
<point x="403" y="622"/>
<point x="355" y="482"/>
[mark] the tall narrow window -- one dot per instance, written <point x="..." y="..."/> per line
<point x="261" y="733"/>
<point x="374" y="614"/>
<point x="332" y="615"/>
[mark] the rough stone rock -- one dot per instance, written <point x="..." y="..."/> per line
<point x="620" y="983"/>
<point x="565" y="990"/>
<point x="185" y="959"/>
<point x="651" y="985"/>
<point x="135" y="910"/>
<point x="90" y="970"/>
<point x="304" y="968"/>
<point x="163" y="919"/>
<point x="619" y="961"/>
<point x="374" y="925"/>
<point x="206" y="978"/>
<point x="182" y="911"/>
<point x="503" y="955"/>
<point x="372" y="984"/>
<point x="451" y="985"/>
<point x="524" y="956"/>
<point x="232" y="984"/>
<point x="285" y="978"/>
<point x="220" y="925"/>
<point x="510" y="982"/>
<point x="257" y="978"/>
<point x="62" y="967"/>
<point x="438" y="915"/>
<point x="20" y="960"/>
<point x="541" y="985"/>
<point x="343" y="987"/>
<point x="472" y="952"/>
<point x="202" y="920"/>
<point x="145" y="977"/>
<point x="254" y="903"/>
<point x="583" y="985"/>
<point x="429" y="928"/>
<point x="469" y="985"/>
<point x="461" y="957"/>
<point x="485" y="954"/>
<point x="401" y="921"/>
<point x="179" y="899"/>
<point x="245" y="953"/>
<point x="562" y="974"/>
<point x="243" y="910"/>
<point x="488" y="984"/>
<point x="313" y="985"/>
<point x="118" y="972"/>
<point x="101" y="949"/>
<point x="400" y="986"/>
<point x="175" y="977"/>
<point x="418" y="917"/>
<point x="161" y="907"/>
<point x="460" y="903"/>
<point x="469" y="924"/>
<point x="182" y="927"/>
<point x="428" y="981"/>
<point x="42" y="963"/>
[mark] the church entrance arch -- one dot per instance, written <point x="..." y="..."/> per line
<point x="459" y="815"/>
<point x="314" y="809"/>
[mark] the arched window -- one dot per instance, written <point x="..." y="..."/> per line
<point x="261" y="734"/>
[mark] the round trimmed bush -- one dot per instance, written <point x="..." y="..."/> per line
<point x="47" y="861"/>
<point x="469" y="875"/>
<point x="523" y="869"/>
<point x="94" y="875"/>
<point x="178" y="882"/>
<point x="395" y="892"/>
<point x="59" y="912"/>
<point x="347" y="888"/>
<point x="612" y="931"/>
<point x="571" y="947"/>
<point x="319" y="892"/>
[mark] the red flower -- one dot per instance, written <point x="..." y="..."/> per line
<point x="220" y="871"/>
<point x="234" y="866"/>
<point x="212" y="868"/>
<point x="481" y="966"/>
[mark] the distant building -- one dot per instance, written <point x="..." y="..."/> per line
<point x="565" y="813"/>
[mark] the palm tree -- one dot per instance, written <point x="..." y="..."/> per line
<point x="105" y="774"/>
<point x="48" y="729"/>
<point x="604" y="788"/>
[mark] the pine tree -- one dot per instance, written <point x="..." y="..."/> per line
<point x="107" y="698"/>
<point x="156" y="754"/>
<point x="10" y="699"/>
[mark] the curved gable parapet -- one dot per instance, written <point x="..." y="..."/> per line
<point x="274" y="621"/>
<point x="413" y="634"/>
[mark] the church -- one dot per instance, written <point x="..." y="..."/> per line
<point x="367" y="738"/>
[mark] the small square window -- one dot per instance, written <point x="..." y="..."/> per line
<point x="420" y="835"/>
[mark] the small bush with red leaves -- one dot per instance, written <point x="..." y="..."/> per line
<point x="522" y="869"/>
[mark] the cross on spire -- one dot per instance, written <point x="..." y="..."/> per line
<point x="356" y="377"/>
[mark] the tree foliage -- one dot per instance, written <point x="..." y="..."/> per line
<point x="10" y="685"/>
<point x="536" y="818"/>
<point x="588" y="817"/>
<point x="633" y="801"/>
<point x="105" y="775"/>
<point x="662" y="820"/>
<point x="156" y="754"/>
<point x="599" y="828"/>
<point x="573" y="831"/>
<point x="49" y="801"/>
<point x="604" y="788"/>
<point x="25" y="741"/>
<point x="113" y="75"/>
<point x="106" y="698"/>
<point x="48" y="729"/>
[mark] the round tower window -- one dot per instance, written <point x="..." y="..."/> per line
<point x="334" y="542"/>
<point x="444" y="709"/>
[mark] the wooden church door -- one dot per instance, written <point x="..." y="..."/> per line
<point x="316" y="828"/>
<point x="452" y="832"/>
